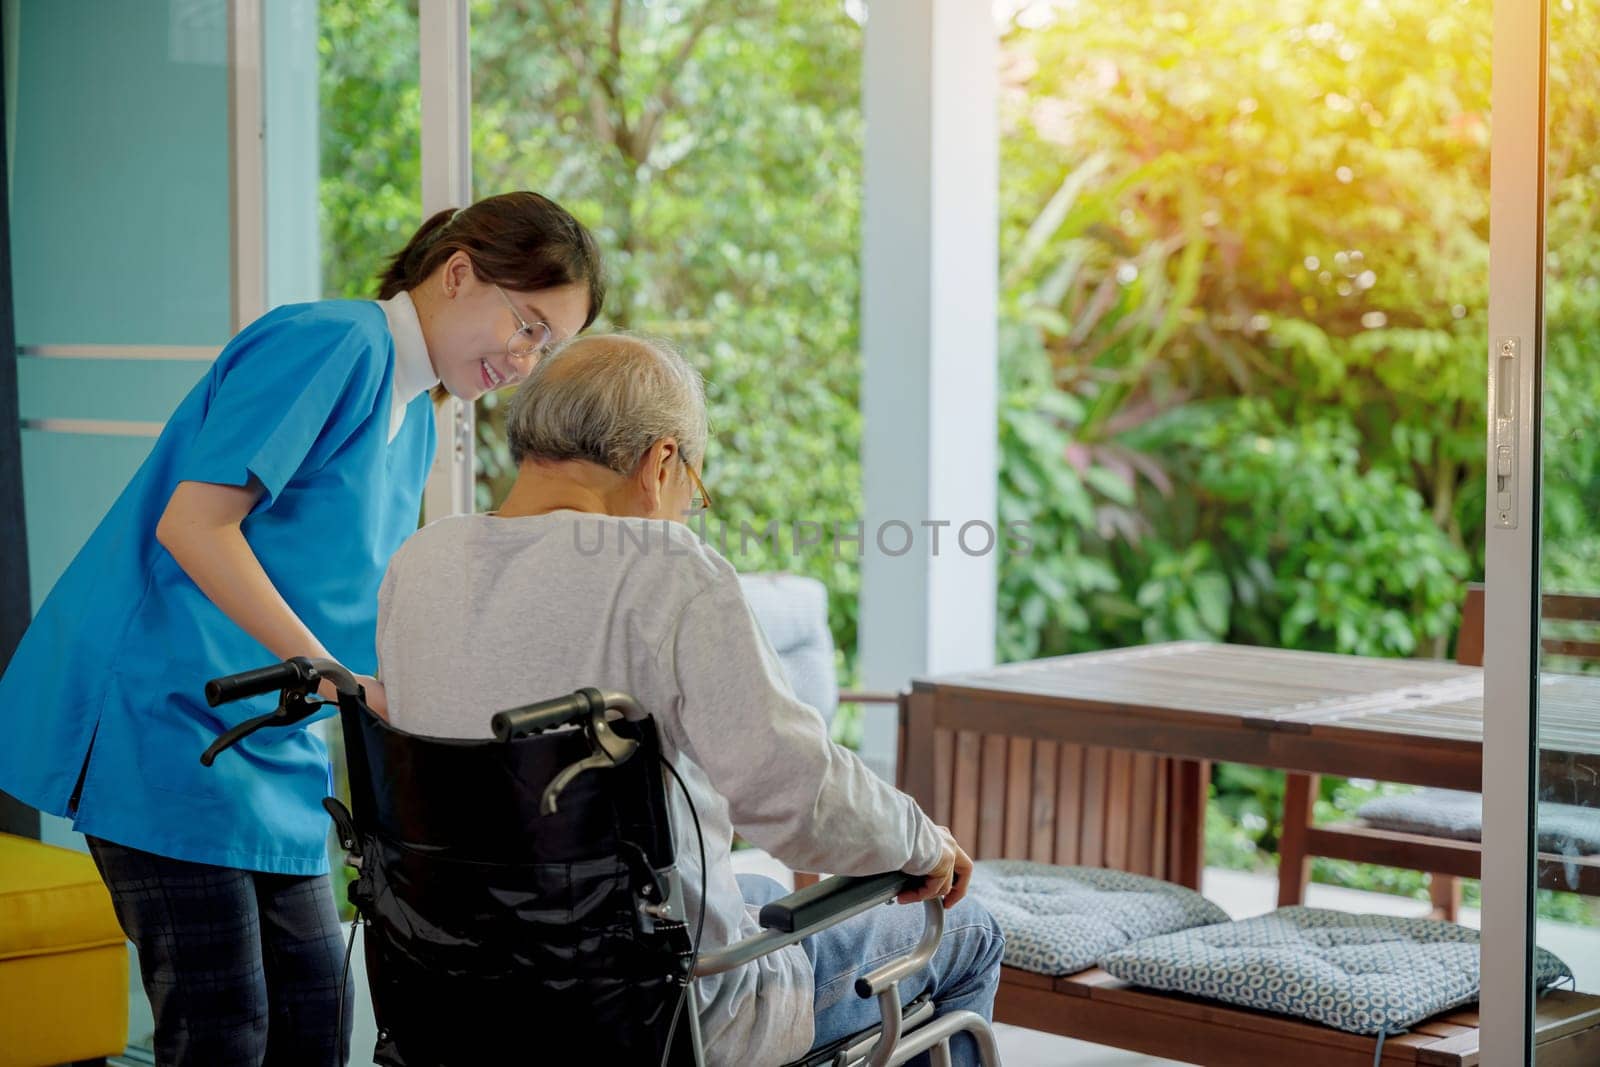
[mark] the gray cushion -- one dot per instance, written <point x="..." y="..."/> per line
<point x="1363" y="973"/>
<point x="1564" y="829"/>
<point x="1060" y="920"/>
<point x="1433" y="812"/>
<point x="793" y="612"/>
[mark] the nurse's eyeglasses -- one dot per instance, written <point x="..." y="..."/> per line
<point x="531" y="338"/>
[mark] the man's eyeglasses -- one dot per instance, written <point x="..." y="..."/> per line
<point x="702" y="502"/>
<point x="530" y="338"/>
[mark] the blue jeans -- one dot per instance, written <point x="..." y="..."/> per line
<point x="964" y="974"/>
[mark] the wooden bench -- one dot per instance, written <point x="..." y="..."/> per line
<point x="1022" y="798"/>
<point x="1093" y="1006"/>
<point x="1446" y="859"/>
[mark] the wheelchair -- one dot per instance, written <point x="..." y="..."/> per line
<point x="520" y="898"/>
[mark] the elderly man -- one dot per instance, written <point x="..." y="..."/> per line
<point x="586" y="577"/>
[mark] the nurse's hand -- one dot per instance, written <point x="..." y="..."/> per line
<point x="377" y="699"/>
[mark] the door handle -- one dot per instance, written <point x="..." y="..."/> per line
<point x="1504" y="380"/>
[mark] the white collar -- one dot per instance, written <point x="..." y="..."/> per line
<point x="413" y="370"/>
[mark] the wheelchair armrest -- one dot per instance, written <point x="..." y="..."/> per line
<point x="816" y="906"/>
<point x="802" y="913"/>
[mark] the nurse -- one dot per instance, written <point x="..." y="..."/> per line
<point x="258" y="529"/>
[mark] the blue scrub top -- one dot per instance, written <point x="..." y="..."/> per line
<point x="108" y="681"/>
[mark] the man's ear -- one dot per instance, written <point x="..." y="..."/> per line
<point x="655" y="469"/>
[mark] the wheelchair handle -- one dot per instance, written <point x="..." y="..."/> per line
<point x="296" y="678"/>
<point x="557" y="711"/>
<point x="301" y="673"/>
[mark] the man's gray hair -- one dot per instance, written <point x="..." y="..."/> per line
<point x="608" y="398"/>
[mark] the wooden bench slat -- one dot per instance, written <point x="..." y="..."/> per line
<point x="944" y="764"/>
<point x="1453" y="1050"/>
<point x="1196" y="1008"/>
<point x="1069" y="806"/>
<point x="1395" y="848"/>
<point x="1019" y="798"/>
<point x="1042" y="843"/>
<point x="1085" y="982"/>
<point x="1561" y="1012"/>
<point x="1456" y="1052"/>
<point x="964" y="787"/>
<point x="1094" y="1006"/>
<point x="1571" y="607"/>
<point x="1119" y="798"/>
<point x="1581" y="1049"/>
<point x="1158" y="829"/>
<point x="1141" y="814"/>
<point x="1091" y="845"/>
<point x="1149" y="1030"/>
<point x="1191" y="785"/>
<point x="1392" y="848"/>
<point x="1166" y="1024"/>
<point x="992" y="806"/>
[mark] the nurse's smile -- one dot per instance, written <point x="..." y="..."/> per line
<point x="482" y="336"/>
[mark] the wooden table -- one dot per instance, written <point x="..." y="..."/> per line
<point x="1395" y="720"/>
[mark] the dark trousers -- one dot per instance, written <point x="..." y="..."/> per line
<point x="242" y="968"/>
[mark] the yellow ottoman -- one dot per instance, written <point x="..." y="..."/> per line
<point x="63" y="959"/>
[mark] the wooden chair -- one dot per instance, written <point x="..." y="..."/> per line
<point x="1446" y="860"/>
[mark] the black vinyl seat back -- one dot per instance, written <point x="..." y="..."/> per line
<point x="497" y="934"/>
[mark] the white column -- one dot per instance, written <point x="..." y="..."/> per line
<point x="929" y="392"/>
<point x="446" y="75"/>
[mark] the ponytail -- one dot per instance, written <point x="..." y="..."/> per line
<point x="403" y="271"/>
<point x="521" y="241"/>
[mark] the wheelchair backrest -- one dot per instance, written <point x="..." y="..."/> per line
<point x="493" y="930"/>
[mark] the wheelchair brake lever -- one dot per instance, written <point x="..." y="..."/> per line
<point x="293" y="707"/>
<point x="611" y="750"/>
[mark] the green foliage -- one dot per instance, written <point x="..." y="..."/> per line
<point x="1322" y="553"/>
<point x="371" y="187"/>
<point x="1224" y="229"/>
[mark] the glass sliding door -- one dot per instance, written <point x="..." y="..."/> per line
<point x="1565" y="637"/>
<point x="1542" y="655"/>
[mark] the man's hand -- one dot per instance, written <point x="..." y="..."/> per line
<point x="377" y="695"/>
<point x="948" y="880"/>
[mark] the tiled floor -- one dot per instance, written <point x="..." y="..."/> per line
<point x="1242" y="895"/>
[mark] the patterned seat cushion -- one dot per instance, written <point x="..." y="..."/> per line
<point x="1059" y="920"/>
<point x="1564" y="829"/>
<point x="1367" y="974"/>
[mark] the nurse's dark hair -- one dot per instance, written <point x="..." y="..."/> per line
<point x="520" y="241"/>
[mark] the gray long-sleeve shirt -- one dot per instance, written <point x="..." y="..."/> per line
<point x="479" y="613"/>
